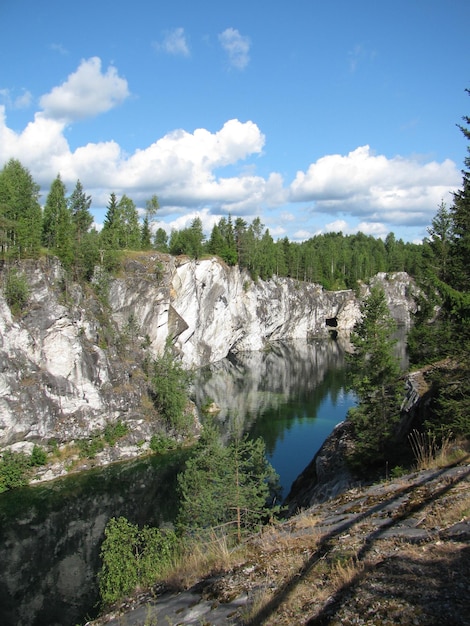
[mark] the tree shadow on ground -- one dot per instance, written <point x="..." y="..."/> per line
<point x="331" y="607"/>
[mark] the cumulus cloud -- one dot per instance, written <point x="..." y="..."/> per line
<point x="180" y="166"/>
<point x="373" y="186"/>
<point x="174" y="42"/>
<point x="236" y="46"/>
<point x="210" y="173"/>
<point x="86" y="92"/>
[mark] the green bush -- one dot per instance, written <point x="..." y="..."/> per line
<point x="89" y="448"/>
<point x="14" y="469"/>
<point x="113" y="432"/>
<point x="160" y="444"/>
<point x="170" y="391"/>
<point x="133" y="557"/>
<point x="38" y="456"/>
<point x="16" y="291"/>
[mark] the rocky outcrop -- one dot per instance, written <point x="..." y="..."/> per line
<point x="211" y="309"/>
<point x="74" y="361"/>
<point x="327" y="475"/>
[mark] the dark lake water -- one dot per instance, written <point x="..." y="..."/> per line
<point x="50" y="535"/>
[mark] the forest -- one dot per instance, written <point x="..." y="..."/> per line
<point x="64" y="228"/>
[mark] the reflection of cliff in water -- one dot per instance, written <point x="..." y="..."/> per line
<point x="249" y="385"/>
<point x="50" y="537"/>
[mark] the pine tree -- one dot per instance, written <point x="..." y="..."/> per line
<point x="79" y="204"/>
<point x="375" y="379"/>
<point x="145" y="235"/>
<point x="57" y="224"/>
<point x="460" y="210"/>
<point x="226" y="489"/>
<point x="110" y="231"/>
<point x="55" y="205"/>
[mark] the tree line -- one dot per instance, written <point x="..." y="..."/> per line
<point x="64" y="227"/>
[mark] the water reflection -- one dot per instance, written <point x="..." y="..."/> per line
<point x="291" y="395"/>
<point x="50" y="537"/>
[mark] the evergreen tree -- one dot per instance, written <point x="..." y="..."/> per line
<point x="111" y="225"/>
<point x="145" y="235"/>
<point x="20" y="212"/>
<point x="57" y="224"/>
<point x="375" y="379"/>
<point x="222" y="241"/>
<point x="54" y="208"/>
<point x="460" y="211"/>
<point x="226" y="488"/>
<point x="79" y="204"/>
<point x="449" y="287"/>
<point x="439" y="241"/>
<point x="239" y="231"/>
<point x="216" y="244"/>
<point x="196" y="238"/>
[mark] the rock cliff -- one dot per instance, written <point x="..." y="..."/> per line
<point x="74" y="359"/>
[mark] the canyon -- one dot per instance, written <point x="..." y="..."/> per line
<point x="75" y="358"/>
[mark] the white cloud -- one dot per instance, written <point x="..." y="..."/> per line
<point x="209" y="173"/>
<point x="86" y="93"/>
<point x="181" y="167"/>
<point x="236" y="46"/>
<point x="58" y="47"/>
<point x="376" y="229"/>
<point x="21" y="101"/>
<point x="337" y="226"/>
<point x="373" y="186"/>
<point x="174" y="43"/>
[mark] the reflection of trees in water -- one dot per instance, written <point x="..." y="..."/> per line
<point x="55" y="531"/>
<point x="274" y="423"/>
<point x="262" y="392"/>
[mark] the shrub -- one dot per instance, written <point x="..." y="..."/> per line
<point x="160" y="444"/>
<point x="170" y="391"/>
<point x="38" y="456"/>
<point x="14" y="467"/>
<point x="113" y="432"/>
<point x="16" y="291"/>
<point x="133" y="557"/>
<point x="89" y="448"/>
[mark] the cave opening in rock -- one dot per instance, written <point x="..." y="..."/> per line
<point x="332" y="325"/>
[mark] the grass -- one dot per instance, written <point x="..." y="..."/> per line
<point x="198" y="559"/>
<point x="429" y="455"/>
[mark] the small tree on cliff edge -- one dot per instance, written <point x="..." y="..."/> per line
<point x="375" y="380"/>
<point x="225" y="489"/>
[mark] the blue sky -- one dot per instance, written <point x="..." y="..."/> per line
<point x="315" y="116"/>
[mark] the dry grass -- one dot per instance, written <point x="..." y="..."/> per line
<point x="198" y="559"/>
<point x="343" y="574"/>
<point x="454" y="512"/>
<point x="429" y="455"/>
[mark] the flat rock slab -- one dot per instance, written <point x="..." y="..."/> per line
<point x="182" y="608"/>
